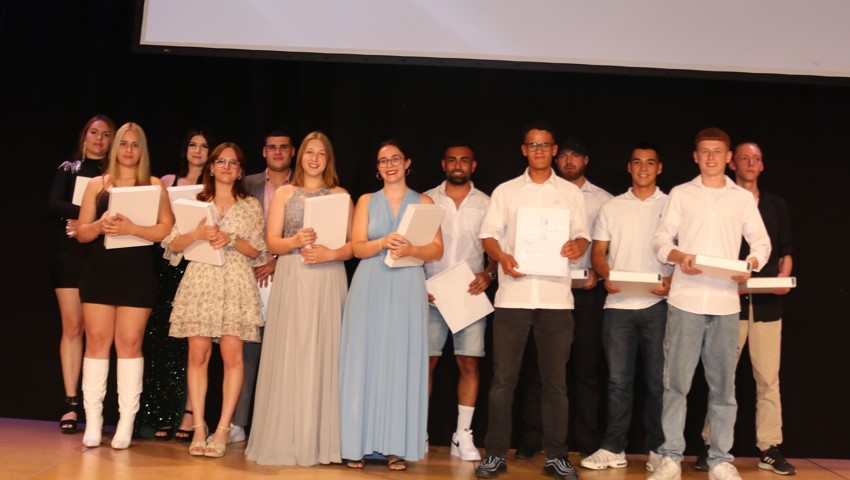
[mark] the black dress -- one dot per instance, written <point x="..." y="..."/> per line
<point x="68" y="255"/>
<point x="120" y="276"/>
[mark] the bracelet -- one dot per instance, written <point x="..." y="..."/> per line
<point x="233" y="238"/>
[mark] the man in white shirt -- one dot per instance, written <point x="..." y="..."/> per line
<point x="586" y="366"/>
<point x="539" y="303"/>
<point x="465" y="208"/>
<point x="622" y="241"/>
<point x="706" y="216"/>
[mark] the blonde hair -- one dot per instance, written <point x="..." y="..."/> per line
<point x="329" y="177"/>
<point x="143" y="168"/>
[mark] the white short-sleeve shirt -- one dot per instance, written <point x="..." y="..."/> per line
<point x="460" y="229"/>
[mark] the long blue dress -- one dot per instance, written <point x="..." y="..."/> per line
<point x="384" y="357"/>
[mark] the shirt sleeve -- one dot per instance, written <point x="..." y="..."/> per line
<point x="755" y="234"/>
<point x="668" y="229"/>
<point x="601" y="231"/>
<point x="578" y="219"/>
<point x="495" y="221"/>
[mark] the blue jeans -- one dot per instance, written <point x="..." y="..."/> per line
<point x="624" y="334"/>
<point x="468" y="342"/>
<point x="689" y="337"/>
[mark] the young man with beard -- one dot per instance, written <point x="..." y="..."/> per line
<point x="632" y="323"/>
<point x="465" y="208"/>
<point x="708" y="215"/>
<point x="542" y="304"/>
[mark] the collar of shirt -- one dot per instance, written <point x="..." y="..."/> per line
<point x="552" y="177"/>
<point x="275" y="185"/>
<point x="655" y="195"/>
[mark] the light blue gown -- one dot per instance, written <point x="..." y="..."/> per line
<point x="384" y="357"/>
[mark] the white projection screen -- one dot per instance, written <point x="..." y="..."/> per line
<point x="780" y="37"/>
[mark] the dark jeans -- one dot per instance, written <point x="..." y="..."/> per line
<point x="553" y="333"/>
<point x="624" y="334"/>
<point x="587" y="367"/>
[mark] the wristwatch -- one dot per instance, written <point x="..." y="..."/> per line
<point x="492" y="275"/>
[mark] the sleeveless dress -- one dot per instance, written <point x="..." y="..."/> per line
<point x="120" y="276"/>
<point x="212" y="301"/>
<point x="384" y="357"/>
<point x="68" y="255"/>
<point x="296" y="404"/>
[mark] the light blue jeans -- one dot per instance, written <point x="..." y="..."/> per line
<point x="689" y="337"/>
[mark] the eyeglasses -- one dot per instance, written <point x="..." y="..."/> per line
<point x="534" y="146"/>
<point x="221" y="162"/>
<point x="393" y="161"/>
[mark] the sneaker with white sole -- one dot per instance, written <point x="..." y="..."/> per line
<point x="774" y="461"/>
<point x="464" y="447"/>
<point x="668" y="469"/>
<point x="602" y="459"/>
<point x="653" y="461"/>
<point x="723" y="471"/>
<point x="491" y="467"/>
<point x="560" y="468"/>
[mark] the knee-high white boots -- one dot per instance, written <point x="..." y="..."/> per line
<point x="95" y="371"/>
<point x="129" y="376"/>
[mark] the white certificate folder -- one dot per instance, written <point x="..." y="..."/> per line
<point x="540" y="234"/>
<point x="187" y="216"/>
<point x="140" y="205"/>
<point x="328" y="217"/>
<point x="634" y="284"/>
<point x="768" y="284"/>
<point x="721" y="267"/>
<point x="80" y="185"/>
<point x="456" y="305"/>
<point x="189" y="192"/>
<point x="419" y="225"/>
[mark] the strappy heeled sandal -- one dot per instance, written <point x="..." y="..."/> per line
<point x="216" y="450"/>
<point x="69" y="425"/>
<point x="198" y="449"/>
<point x="183" y="435"/>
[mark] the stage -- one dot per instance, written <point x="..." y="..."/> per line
<point x="32" y="449"/>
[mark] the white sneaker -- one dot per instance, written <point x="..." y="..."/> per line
<point x="237" y="434"/>
<point x="653" y="462"/>
<point x="464" y="447"/>
<point x="724" y="471"/>
<point x="602" y="459"/>
<point x="668" y="469"/>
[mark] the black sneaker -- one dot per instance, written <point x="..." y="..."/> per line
<point x="774" y="461"/>
<point x="701" y="465"/>
<point x="491" y="467"/>
<point x="559" y="467"/>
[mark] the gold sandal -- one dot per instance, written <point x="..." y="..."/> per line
<point x="216" y="450"/>
<point x="198" y="449"/>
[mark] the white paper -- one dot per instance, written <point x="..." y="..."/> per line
<point x="189" y="192"/>
<point x="419" y="225"/>
<point x="187" y="215"/>
<point x="456" y="305"/>
<point x="721" y="267"/>
<point x="140" y="205"/>
<point x="767" y="284"/>
<point x="635" y="284"/>
<point x="79" y="189"/>
<point x="328" y="217"/>
<point x="541" y="232"/>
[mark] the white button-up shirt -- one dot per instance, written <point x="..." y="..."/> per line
<point x="709" y="221"/>
<point x="532" y="291"/>
<point x="628" y="224"/>
<point x="460" y="229"/>
<point x="594" y="198"/>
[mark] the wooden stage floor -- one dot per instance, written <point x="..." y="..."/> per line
<point x="36" y="449"/>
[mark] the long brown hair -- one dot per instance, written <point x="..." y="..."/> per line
<point x="238" y="189"/>
<point x="329" y="177"/>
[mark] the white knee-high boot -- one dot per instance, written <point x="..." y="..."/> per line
<point x="95" y="371"/>
<point x="129" y="376"/>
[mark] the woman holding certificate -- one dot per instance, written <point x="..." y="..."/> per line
<point x="383" y="355"/>
<point x="219" y="301"/>
<point x="118" y="285"/>
<point x="296" y="406"/>
<point x="68" y="254"/>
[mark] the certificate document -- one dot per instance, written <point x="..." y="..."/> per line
<point x="419" y="225"/>
<point x="721" y="267"/>
<point x="140" y="205"/>
<point x="80" y="185"/>
<point x="767" y="284"/>
<point x="189" y="192"/>
<point x="540" y="234"/>
<point x="328" y="216"/>
<point x="456" y="305"/>
<point x="635" y="284"/>
<point x="187" y="215"/>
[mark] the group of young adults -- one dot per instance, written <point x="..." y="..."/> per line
<point x="342" y="375"/>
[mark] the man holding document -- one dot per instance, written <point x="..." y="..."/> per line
<point x="708" y="216"/>
<point x="634" y="318"/>
<point x="530" y="300"/>
<point x="465" y="208"/>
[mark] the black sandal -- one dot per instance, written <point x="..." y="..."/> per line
<point x="182" y="434"/>
<point x="396" y="463"/>
<point x="70" y="425"/>
<point x="164" y="433"/>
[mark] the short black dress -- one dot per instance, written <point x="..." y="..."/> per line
<point x="121" y="276"/>
<point x="68" y="255"/>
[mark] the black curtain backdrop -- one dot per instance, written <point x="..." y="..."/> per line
<point x="64" y="62"/>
